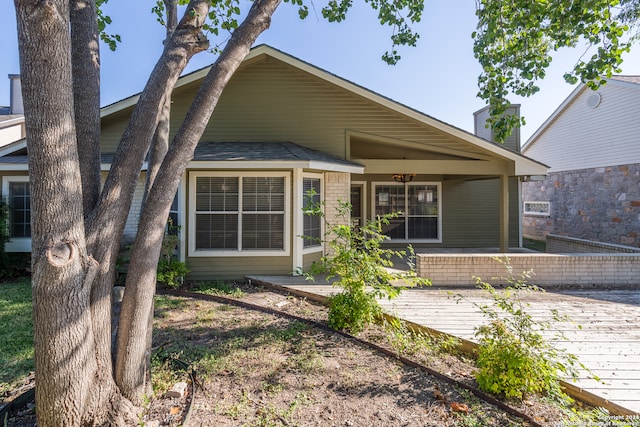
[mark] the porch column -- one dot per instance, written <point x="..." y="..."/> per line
<point x="504" y="213"/>
<point x="337" y="188"/>
<point x="297" y="226"/>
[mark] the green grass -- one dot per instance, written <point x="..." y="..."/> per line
<point x="535" y="245"/>
<point x="16" y="339"/>
<point x="220" y="287"/>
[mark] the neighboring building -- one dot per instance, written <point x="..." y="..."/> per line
<point x="282" y="127"/>
<point x="12" y="116"/>
<point x="592" y="146"/>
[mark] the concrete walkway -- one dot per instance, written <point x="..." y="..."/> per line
<point x="604" y="332"/>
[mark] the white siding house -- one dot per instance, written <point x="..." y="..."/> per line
<point x="591" y="144"/>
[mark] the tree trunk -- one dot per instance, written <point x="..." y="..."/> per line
<point x="160" y="141"/>
<point x="71" y="290"/>
<point x="61" y="268"/>
<point x="85" y="60"/>
<point x="133" y="347"/>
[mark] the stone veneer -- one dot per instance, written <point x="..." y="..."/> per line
<point x="601" y="204"/>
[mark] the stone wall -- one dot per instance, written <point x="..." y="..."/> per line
<point x="570" y="245"/>
<point x="550" y="270"/>
<point x="601" y="204"/>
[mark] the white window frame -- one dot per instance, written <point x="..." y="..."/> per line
<point x="193" y="252"/>
<point x="16" y="244"/>
<point x="319" y="246"/>
<point x="525" y="211"/>
<point x="406" y="185"/>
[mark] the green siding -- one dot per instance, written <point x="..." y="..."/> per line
<point x="272" y="101"/>
<point x="470" y="210"/>
<point x="472" y="213"/>
<point x="212" y="268"/>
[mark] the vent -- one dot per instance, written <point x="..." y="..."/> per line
<point x="593" y="100"/>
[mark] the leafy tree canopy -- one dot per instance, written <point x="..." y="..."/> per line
<point x="399" y="15"/>
<point x="515" y="40"/>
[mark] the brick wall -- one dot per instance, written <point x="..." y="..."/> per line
<point x="599" y="204"/>
<point x="337" y="187"/>
<point x="592" y="270"/>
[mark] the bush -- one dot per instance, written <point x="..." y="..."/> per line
<point x="514" y="359"/>
<point x="171" y="271"/>
<point x="360" y="266"/>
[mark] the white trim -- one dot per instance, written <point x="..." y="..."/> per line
<point x="182" y="217"/>
<point x="14" y="167"/>
<point x="408" y="184"/>
<point x="12" y="147"/>
<point x="318" y="248"/>
<point x="298" y="259"/>
<point x="20" y="244"/>
<point x="536" y="213"/>
<point x="193" y="252"/>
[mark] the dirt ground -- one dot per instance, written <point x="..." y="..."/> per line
<point x="273" y="371"/>
<point x="259" y="369"/>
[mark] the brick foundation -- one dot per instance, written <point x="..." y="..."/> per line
<point x="551" y="270"/>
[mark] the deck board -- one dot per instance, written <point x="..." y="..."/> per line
<point x="607" y="342"/>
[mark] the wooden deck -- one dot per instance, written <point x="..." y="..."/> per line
<point x="607" y="341"/>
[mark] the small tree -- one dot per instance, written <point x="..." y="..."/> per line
<point x="360" y="266"/>
<point x="514" y="358"/>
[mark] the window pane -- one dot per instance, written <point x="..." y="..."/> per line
<point x="262" y="231"/>
<point x="19" y="209"/>
<point x="389" y="199"/>
<point x="217" y="231"/>
<point x="423" y="228"/>
<point x="395" y="228"/>
<point x="311" y="223"/>
<point x="222" y="218"/>
<point x="423" y="200"/>
<point x="263" y="194"/>
<point x="216" y="194"/>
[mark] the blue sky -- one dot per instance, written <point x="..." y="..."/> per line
<point x="438" y="78"/>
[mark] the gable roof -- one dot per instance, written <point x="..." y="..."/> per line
<point x="524" y="165"/>
<point x="628" y="81"/>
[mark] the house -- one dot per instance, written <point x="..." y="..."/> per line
<point x="12" y="116"/>
<point x="592" y="145"/>
<point x="283" y="127"/>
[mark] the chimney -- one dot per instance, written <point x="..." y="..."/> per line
<point x="16" y="105"/>
<point x="480" y="120"/>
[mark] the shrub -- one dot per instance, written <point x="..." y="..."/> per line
<point x="514" y="358"/>
<point x="360" y="266"/>
<point x="171" y="271"/>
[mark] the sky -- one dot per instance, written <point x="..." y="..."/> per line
<point x="438" y="77"/>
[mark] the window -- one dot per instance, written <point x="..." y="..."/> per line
<point x="537" y="208"/>
<point x="18" y="197"/>
<point x="239" y="213"/>
<point x="312" y="224"/>
<point x="419" y="207"/>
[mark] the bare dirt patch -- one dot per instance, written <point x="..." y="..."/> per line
<point x="258" y="369"/>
